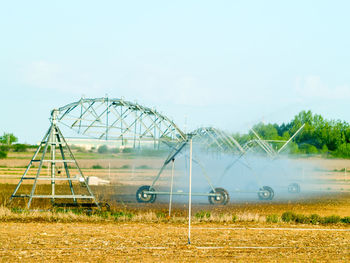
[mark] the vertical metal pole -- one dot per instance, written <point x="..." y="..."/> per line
<point x="154" y="132"/>
<point x="65" y="164"/>
<point x="53" y="153"/>
<point x="140" y="133"/>
<point x="121" y="123"/>
<point x="190" y="196"/>
<point x="135" y="131"/>
<point x="171" y="186"/>
<point x="107" y="126"/>
<point x="53" y="164"/>
<point x="109" y="170"/>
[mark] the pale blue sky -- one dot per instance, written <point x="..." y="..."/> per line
<point x="224" y="63"/>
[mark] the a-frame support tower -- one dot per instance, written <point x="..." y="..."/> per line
<point x="51" y="154"/>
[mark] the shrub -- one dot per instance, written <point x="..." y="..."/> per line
<point x="125" y="166"/>
<point x="346" y="220"/>
<point x="127" y="150"/>
<point x="315" y="219"/>
<point x="343" y="150"/>
<point x="293" y="148"/>
<point x="302" y="219"/>
<point x="115" y="150"/>
<point x="102" y="149"/>
<point x="4" y="148"/>
<point x="80" y="149"/>
<point x="288" y="216"/>
<point x="234" y="218"/>
<point x="333" y="219"/>
<point x="207" y="214"/>
<point x="144" y="166"/>
<point x="151" y="152"/>
<point x="20" y="147"/>
<point x="202" y="214"/>
<point x="3" y="155"/>
<point x="97" y="166"/>
<point x="308" y="148"/>
<point x="272" y="218"/>
<point x="116" y="215"/>
<point x="16" y="210"/>
<point x="324" y="149"/>
<point x="160" y="215"/>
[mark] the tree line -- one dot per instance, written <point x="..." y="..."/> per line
<point x="8" y="143"/>
<point x="319" y="135"/>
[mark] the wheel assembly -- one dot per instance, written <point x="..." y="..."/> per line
<point x="266" y="193"/>
<point x="294" y="188"/>
<point x="222" y="197"/>
<point x="143" y="197"/>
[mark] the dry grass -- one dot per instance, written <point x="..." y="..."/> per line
<point x="72" y="216"/>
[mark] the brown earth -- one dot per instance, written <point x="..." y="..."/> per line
<point x="136" y="242"/>
<point x="249" y="241"/>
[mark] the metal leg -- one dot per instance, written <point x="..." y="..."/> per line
<point x="170" y="157"/>
<point x="190" y="196"/>
<point x="29" y="165"/>
<point x="53" y="164"/>
<point x="65" y="166"/>
<point x="80" y="172"/>
<point x="171" y="187"/>
<point x="53" y="138"/>
<point x="39" y="169"/>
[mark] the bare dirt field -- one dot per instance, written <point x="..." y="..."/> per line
<point x="130" y="242"/>
<point x="152" y="236"/>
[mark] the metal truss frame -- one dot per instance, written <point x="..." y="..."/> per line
<point x="211" y="137"/>
<point x="118" y="119"/>
<point x="265" y="146"/>
<point x="51" y="142"/>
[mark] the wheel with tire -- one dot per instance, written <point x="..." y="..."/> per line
<point x="294" y="188"/>
<point x="143" y="197"/>
<point x="266" y="193"/>
<point x="222" y="197"/>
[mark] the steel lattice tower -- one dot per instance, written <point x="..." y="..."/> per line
<point x="53" y="151"/>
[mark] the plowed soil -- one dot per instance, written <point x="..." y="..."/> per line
<point x="129" y="242"/>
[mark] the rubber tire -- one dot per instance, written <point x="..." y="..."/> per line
<point x="224" y="197"/>
<point x="145" y="198"/>
<point x="294" y="188"/>
<point x="263" y="196"/>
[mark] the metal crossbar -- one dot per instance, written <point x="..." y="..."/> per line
<point x="99" y="118"/>
<point x="53" y="141"/>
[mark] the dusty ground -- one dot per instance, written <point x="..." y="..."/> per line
<point x="129" y="242"/>
<point x="167" y="242"/>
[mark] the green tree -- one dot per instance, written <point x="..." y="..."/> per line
<point x="102" y="149"/>
<point x="324" y="149"/>
<point x="266" y="131"/>
<point x="3" y="154"/>
<point x="319" y="135"/>
<point x="8" y="138"/>
<point x="343" y="150"/>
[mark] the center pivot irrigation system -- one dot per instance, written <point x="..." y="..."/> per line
<point x="217" y="140"/>
<point x="115" y="120"/>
